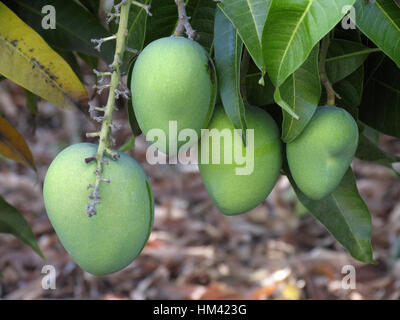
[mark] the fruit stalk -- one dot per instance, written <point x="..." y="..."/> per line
<point x="330" y="92"/>
<point x="105" y="132"/>
<point x="183" y="22"/>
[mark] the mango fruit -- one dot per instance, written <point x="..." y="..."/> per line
<point x="112" y="239"/>
<point x="320" y="156"/>
<point x="173" y="79"/>
<point x="235" y="193"/>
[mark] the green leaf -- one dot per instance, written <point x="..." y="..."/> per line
<point x="350" y="90"/>
<point x="91" y="61"/>
<point x="11" y="221"/>
<point x="131" y="114"/>
<point x="381" y="100"/>
<point x="345" y="216"/>
<point x="369" y="150"/>
<point x="380" y="22"/>
<point x="301" y="91"/>
<point x="344" y="58"/>
<point x="248" y="17"/>
<point x="347" y="34"/>
<point x="128" y="145"/>
<point x="258" y="95"/>
<point x="137" y="27"/>
<point x="164" y="19"/>
<point x="93" y="6"/>
<point x="75" y="26"/>
<point x="228" y="52"/>
<point x="132" y="120"/>
<point x="292" y="30"/>
<point x="202" y="15"/>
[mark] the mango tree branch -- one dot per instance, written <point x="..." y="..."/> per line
<point x="105" y="132"/>
<point x="330" y="92"/>
<point x="183" y="22"/>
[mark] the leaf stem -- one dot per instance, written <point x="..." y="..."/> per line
<point x="331" y="94"/>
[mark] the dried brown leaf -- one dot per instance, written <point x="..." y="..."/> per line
<point x="14" y="146"/>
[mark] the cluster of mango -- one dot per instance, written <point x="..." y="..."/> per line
<point x="174" y="80"/>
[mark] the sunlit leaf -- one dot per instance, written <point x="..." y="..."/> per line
<point x="248" y="17"/>
<point x="292" y="30"/>
<point x="380" y="22"/>
<point x="29" y="61"/>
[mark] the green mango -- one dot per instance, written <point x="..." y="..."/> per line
<point x="112" y="239"/>
<point x="235" y="193"/>
<point x="173" y="79"/>
<point x="321" y="155"/>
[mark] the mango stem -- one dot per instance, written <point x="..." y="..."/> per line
<point x="104" y="134"/>
<point x="330" y="92"/>
<point x="183" y="22"/>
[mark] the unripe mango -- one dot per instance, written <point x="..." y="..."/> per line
<point x="232" y="193"/>
<point x="173" y="80"/>
<point x="110" y="240"/>
<point x="321" y="155"/>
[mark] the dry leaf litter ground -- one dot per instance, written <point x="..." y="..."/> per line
<point x="276" y="251"/>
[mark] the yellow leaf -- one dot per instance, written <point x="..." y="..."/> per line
<point x="13" y="145"/>
<point x="29" y="61"/>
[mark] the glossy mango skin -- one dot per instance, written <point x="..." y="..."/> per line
<point x="173" y="80"/>
<point x="235" y="194"/>
<point x="112" y="239"/>
<point x="321" y="155"/>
